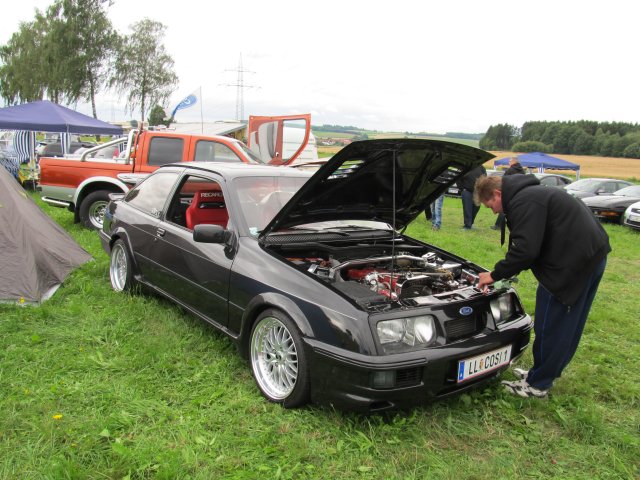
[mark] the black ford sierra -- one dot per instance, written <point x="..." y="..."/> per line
<point x="313" y="278"/>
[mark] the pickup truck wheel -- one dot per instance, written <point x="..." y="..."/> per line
<point x="92" y="209"/>
<point x="120" y="268"/>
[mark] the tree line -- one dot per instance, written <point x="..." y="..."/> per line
<point x="71" y="52"/>
<point x="583" y="137"/>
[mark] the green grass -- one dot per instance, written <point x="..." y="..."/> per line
<point x="464" y="141"/>
<point x="98" y="385"/>
<point x="330" y="134"/>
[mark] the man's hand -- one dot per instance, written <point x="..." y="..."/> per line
<point x="485" y="280"/>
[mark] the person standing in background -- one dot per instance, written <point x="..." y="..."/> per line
<point x="436" y="212"/>
<point x="466" y="185"/>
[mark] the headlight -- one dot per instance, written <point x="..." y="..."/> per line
<point x="502" y="308"/>
<point x="410" y="331"/>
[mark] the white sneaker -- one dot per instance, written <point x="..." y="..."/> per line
<point x="520" y="373"/>
<point x="522" y="389"/>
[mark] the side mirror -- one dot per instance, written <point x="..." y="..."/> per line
<point x="205" y="233"/>
<point x="600" y="191"/>
<point x="116" y="196"/>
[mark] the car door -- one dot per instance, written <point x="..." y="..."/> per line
<point x="143" y="207"/>
<point x="266" y="137"/>
<point x="195" y="274"/>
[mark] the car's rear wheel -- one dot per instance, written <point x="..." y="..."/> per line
<point x="278" y="360"/>
<point x="92" y="209"/>
<point x="120" y="268"/>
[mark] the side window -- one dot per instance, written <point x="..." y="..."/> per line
<point x="610" y="187"/>
<point x="198" y="200"/>
<point x="163" y="150"/>
<point x="546" y="181"/>
<point x="207" y="151"/>
<point x="151" y="195"/>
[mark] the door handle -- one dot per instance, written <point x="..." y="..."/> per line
<point x="160" y="232"/>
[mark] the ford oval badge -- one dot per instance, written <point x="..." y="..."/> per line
<point x="466" y="311"/>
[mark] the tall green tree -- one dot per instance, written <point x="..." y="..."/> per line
<point x="83" y="43"/>
<point x="144" y="69"/>
<point x="157" y="116"/>
<point x="21" y="73"/>
<point x="63" y="55"/>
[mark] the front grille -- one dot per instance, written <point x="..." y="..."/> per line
<point x="408" y="377"/>
<point x="462" y="327"/>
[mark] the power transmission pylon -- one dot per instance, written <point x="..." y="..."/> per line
<point x="240" y="86"/>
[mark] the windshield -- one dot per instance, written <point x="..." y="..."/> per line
<point x="632" y="191"/>
<point x="261" y="198"/>
<point x="345" y="225"/>
<point x="252" y="157"/>
<point x="585" y="185"/>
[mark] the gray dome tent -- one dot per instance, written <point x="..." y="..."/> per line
<point x="37" y="254"/>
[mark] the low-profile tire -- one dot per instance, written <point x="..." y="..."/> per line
<point x="121" y="268"/>
<point x="92" y="209"/>
<point x="278" y="361"/>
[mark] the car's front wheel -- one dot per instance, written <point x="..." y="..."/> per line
<point x="120" y="268"/>
<point x="278" y="360"/>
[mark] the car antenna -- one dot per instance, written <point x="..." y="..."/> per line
<point x="393" y="221"/>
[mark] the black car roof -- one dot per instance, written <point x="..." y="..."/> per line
<point x="235" y="170"/>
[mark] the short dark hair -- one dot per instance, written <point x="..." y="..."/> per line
<point x="484" y="187"/>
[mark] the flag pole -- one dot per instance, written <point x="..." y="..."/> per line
<point x="201" y="118"/>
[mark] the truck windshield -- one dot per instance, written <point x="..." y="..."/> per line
<point x="251" y="157"/>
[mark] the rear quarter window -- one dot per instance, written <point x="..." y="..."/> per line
<point x="164" y="150"/>
<point x="151" y="195"/>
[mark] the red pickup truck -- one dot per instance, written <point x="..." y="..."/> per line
<point x="83" y="184"/>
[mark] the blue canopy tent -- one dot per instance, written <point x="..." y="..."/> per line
<point x="46" y="116"/>
<point x="541" y="162"/>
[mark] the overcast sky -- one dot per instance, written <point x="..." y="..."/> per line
<point x="429" y="66"/>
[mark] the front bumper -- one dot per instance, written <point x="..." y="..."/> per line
<point x="345" y="379"/>
<point x="105" y="240"/>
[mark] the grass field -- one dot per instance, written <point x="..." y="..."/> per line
<point x="101" y="385"/>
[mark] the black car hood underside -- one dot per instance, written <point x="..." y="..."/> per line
<point x="389" y="181"/>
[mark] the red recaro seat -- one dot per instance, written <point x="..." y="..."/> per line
<point x="207" y="206"/>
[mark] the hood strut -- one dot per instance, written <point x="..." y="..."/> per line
<point x="393" y="217"/>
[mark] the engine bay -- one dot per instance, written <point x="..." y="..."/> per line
<point x="382" y="278"/>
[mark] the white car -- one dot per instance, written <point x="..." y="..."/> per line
<point x="631" y="216"/>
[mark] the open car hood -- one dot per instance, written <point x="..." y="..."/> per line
<point x="390" y="181"/>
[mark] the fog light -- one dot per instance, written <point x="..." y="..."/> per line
<point x="386" y="379"/>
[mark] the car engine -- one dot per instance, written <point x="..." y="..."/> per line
<point x="386" y="281"/>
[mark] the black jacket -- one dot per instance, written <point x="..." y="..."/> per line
<point x="468" y="182"/>
<point x="513" y="169"/>
<point x="553" y="234"/>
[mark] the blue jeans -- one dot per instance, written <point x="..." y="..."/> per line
<point x="436" y="211"/>
<point x="558" y="329"/>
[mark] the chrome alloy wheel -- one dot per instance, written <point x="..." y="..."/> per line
<point x="274" y="358"/>
<point x="96" y="213"/>
<point x="119" y="267"/>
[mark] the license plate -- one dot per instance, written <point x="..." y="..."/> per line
<point x="476" y="366"/>
<point x="634" y="218"/>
